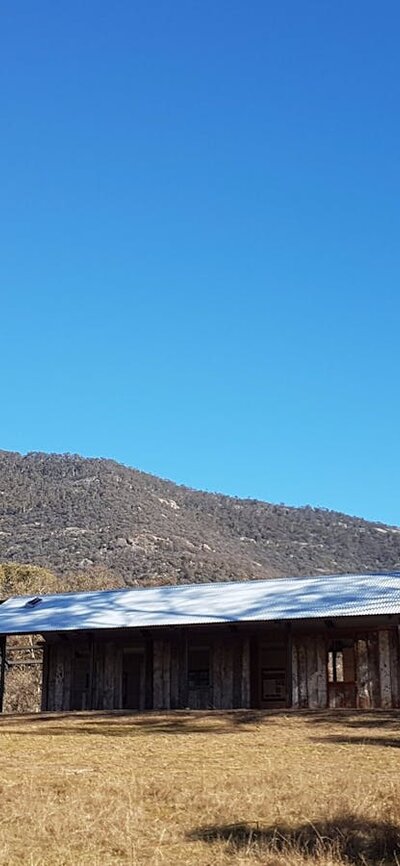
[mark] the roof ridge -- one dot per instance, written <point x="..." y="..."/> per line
<point x="218" y="583"/>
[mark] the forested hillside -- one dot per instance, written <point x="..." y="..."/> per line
<point x="72" y="514"/>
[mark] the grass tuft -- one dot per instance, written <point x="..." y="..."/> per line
<point x="196" y="789"/>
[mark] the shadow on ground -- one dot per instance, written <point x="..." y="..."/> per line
<point x="119" y="723"/>
<point x="357" y="718"/>
<point x="355" y="840"/>
<point x="348" y="740"/>
<point x="349" y="725"/>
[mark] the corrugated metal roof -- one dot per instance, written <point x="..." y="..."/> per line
<point x="282" y="599"/>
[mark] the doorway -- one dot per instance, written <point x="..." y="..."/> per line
<point x="132" y="679"/>
<point x="341" y="664"/>
<point x="80" y="698"/>
<point x="272" y="669"/>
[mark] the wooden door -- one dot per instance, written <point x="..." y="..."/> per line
<point x="272" y="675"/>
<point x="80" y="699"/>
<point x="199" y="677"/>
<point x="132" y="680"/>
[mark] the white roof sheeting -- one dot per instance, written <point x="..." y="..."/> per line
<point x="262" y="600"/>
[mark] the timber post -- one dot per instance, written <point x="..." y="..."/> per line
<point x="3" y="647"/>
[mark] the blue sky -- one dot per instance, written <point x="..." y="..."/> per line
<point x="199" y="266"/>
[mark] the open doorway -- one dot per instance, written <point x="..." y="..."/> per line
<point x="132" y="679"/>
<point x="272" y="675"/>
<point x="341" y="669"/>
<point x="80" y="680"/>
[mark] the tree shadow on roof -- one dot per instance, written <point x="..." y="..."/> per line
<point x="349" y="838"/>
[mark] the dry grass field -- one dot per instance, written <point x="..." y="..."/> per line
<point x="196" y="789"/>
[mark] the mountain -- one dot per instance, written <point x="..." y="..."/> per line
<point x="73" y="514"/>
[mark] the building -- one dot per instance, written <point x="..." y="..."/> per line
<point x="328" y="641"/>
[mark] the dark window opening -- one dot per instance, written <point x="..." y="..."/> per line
<point x="199" y="668"/>
<point x="341" y="662"/>
<point x="273" y="685"/>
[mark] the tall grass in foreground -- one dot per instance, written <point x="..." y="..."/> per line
<point x="199" y="789"/>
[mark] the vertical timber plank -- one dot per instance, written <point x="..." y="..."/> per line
<point x="246" y="673"/>
<point x="59" y="678"/>
<point x="91" y="697"/>
<point x="108" y="687"/>
<point x="167" y="675"/>
<point x="51" y="675"/>
<point x="254" y="673"/>
<point x="161" y="674"/>
<point x="295" y="676"/>
<point x="218" y="702"/>
<point x="45" y="679"/>
<point x="175" y="672"/>
<point x="183" y="696"/>
<point x="322" y="674"/>
<point x="227" y="674"/>
<point x="237" y="664"/>
<point x="3" y="648"/>
<point x="98" y="675"/>
<point x="222" y="674"/>
<point x="68" y="650"/>
<point x="312" y="672"/>
<point x="216" y="675"/>
<point x="384" y="670"/>
<point x="118" y="662"/>
<point x="394" y="666"/>
<point x="149" y="675"/>
<point x="363" y="690"/>
<point x="373" y="669"/>
<point x="157" y="675"/>
<point x="289" y="651"/>
<point x="302" y="659"/>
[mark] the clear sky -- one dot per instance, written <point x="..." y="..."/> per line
<point x="199" y="267"/>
